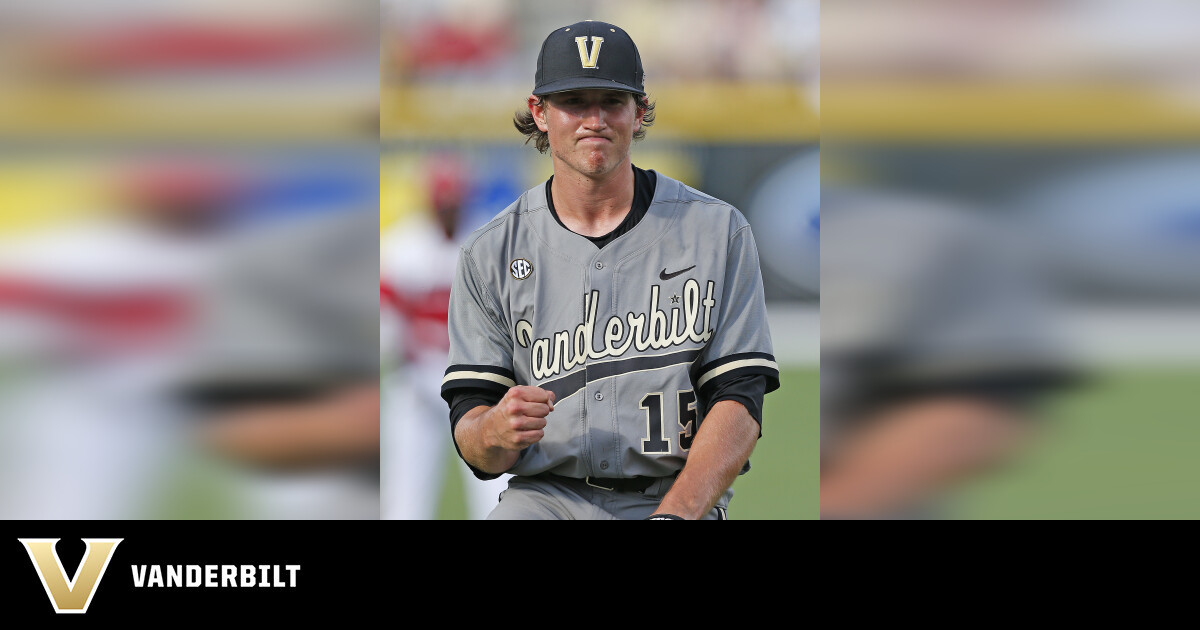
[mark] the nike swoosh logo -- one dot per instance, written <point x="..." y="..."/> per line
<point x="663" y="275"/>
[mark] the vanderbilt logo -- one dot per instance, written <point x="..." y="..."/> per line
<point x="589" y="59"/>
<point x="654" y="329"/>
<point x="74" y="595"/>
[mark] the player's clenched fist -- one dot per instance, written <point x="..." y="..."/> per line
<point x="492" y="438"/>
<point x="519" y="419"/>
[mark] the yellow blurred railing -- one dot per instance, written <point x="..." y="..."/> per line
<point x="713" y="112"/>
<point x="687" y="112"/>
<point x="1001" y="112"/>
<point x="87" y="113"/>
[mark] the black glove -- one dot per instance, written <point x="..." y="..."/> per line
<point x="663" y="517"/>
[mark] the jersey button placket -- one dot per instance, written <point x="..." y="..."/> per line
<point x="599" y="414"/>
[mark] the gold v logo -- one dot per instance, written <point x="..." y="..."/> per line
<point x="589" y="59"/>
<point x="75" y="595"/>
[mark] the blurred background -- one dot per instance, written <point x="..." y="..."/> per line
<point x="187" y="194"/>
<point x="187" y="228"/>
<point x="736" y="87"/>
<point x="1011" y="328"/>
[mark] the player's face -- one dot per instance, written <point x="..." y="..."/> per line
<point x="590" y="130"/>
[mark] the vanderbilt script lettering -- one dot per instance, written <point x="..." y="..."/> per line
<point x="654" y="329"/>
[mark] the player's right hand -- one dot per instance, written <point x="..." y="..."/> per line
<point x="519" y="419"/>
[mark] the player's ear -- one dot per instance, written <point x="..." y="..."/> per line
<point x="537" y="107"/>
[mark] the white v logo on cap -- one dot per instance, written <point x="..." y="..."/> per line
<point x="589" y="59"/>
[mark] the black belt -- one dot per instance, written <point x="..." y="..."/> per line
<point x="622" y="484"/>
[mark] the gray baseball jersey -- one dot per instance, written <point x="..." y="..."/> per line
<point x="633" y="338"/>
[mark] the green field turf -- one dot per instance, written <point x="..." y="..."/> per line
<point x="1122" y="447"/>
<point x="783" y="482"/>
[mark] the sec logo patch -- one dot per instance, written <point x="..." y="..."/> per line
<point x="520" y="268"/>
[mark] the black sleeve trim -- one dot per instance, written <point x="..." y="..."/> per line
<point x="491" y="369"/>
<point x="735" y="357"/>
<point x="712" y="374"/>
<point x="747" y="391"/>
<point x="476" y="377"/>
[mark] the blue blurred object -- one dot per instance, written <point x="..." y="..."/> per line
<point x="493" y="188"/>
<point x="785" y="214"/>
<point x="1126" y="228"/>
<point x="313" y="185"/>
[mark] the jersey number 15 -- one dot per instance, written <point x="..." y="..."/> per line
<point x="653" y="404"/>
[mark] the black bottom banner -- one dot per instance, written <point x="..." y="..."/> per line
<point x="200" y="570"/>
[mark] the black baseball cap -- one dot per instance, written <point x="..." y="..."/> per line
<point x="588" y="55"/>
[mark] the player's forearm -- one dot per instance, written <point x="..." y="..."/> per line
<point x="471" y="435"/>
<point x="721" y="447"/>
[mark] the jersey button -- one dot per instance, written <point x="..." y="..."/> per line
<point x="599" y="265"/>
<point x="599" y="396"/>
<point x="604" y="465"/>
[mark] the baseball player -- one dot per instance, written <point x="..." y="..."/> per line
<point x="418" y="258"/>
<point x="608" y="335"/>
